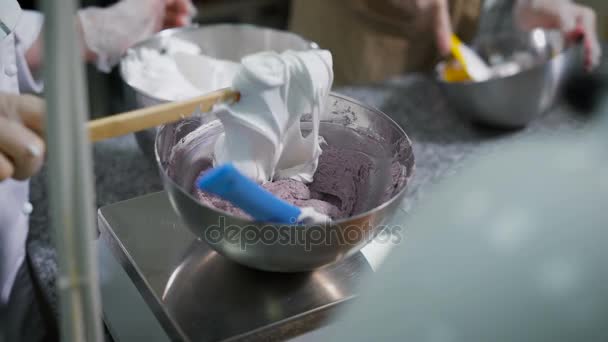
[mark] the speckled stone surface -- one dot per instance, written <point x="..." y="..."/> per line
<point x="442" y="143"/>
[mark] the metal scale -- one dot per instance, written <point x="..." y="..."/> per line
<point x="160" y="283"/>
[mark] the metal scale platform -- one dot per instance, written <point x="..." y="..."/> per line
<point x="160" y="283"/>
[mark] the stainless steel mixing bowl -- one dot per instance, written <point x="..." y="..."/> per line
<point x="224" y="41"/>
<point x="513" y="101"/>
<point x="347" y="124"/>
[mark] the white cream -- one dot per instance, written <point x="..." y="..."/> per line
<point x="207" y="74"/>
<point x="310" y="216"/>
<point x="262" y="136"/>
<point x="178" y="72"/>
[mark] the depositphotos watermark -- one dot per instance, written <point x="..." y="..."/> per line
<point x="308" y="236"/>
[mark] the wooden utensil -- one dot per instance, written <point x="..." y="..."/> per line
<point x="141" y="119"/>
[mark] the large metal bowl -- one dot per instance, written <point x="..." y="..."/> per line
<point x="513" y="101"/>
<point x="272" y="247"/>
<point x="224" y="41"/>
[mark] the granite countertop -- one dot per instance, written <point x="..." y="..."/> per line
<point x="442" y="143"/>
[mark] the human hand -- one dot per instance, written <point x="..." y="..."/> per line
<point x="109" y="32"/>
<point x="438" y="17"/>
<point x="178" y="13"/>
<point x="21" y="128"/>
<point x="573" y="20"/>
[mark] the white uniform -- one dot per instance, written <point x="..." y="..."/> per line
<point x="15" y="77"/>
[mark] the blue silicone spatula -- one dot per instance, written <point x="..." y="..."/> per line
<point x="228" y="183"/>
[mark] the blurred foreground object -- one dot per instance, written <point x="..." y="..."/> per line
<point x="514" y="249"/>
<point x="71" y="183"/>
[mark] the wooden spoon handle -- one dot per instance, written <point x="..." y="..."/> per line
<point x="141" y="119"/>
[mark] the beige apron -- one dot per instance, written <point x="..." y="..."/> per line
<point x="370" y="40"/>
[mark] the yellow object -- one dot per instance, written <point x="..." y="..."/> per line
<point x="454" y="72"/>
<point x="455" y="49"/>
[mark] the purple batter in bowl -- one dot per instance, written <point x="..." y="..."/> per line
<point x="360" y="182"/>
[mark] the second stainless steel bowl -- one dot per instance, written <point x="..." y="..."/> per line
<point x="513" y="101"/>
<point x="223" y="41"/>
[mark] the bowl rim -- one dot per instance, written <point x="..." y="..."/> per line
<point x="396" y="197"/>
<point x="567" y="50"/>
<point x="194" y="27"/>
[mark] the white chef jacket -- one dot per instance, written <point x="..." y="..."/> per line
<point x="15" y="77"/>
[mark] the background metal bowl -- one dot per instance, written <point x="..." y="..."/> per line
<point x="293" y="248"/>
<point x="224" y="41"/>
<point x="513" y="101"/>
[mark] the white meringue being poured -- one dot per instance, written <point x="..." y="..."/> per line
<point x="207" y="74"/>
<point x="262" y="135"/>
